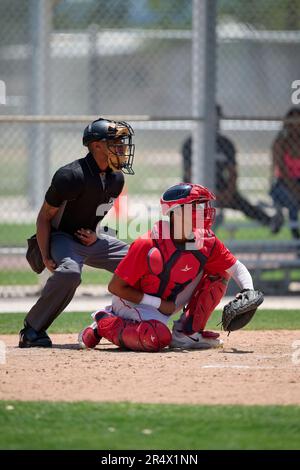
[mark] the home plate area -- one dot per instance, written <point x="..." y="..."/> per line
<point x="253" y="367"/>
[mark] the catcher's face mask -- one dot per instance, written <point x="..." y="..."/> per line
<point x="120" y="148"/>
<point x="203" y="215"/>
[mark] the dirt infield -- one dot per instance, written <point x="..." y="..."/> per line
<point x="254" y="367"/>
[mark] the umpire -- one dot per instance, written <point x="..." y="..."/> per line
<point x="80" y="195"/>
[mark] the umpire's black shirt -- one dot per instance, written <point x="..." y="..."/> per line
<point x="78" y="189"/>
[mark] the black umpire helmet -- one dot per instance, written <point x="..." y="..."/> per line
<point x="118" y="135"/>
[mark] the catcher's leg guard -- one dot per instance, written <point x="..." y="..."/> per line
<point x="110" y="326"/>
<point x="151" y="336"/>
<point x="89" y="338"/>
<point x="205" y="299"/>
<point x="148" y="336"/>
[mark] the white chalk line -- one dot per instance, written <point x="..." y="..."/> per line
<point x="271" y="356"/>
<point x="239" y="366"/>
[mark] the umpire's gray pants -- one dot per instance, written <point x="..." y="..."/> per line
<point x="70" y="256"/>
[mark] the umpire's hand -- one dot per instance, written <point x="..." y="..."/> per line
<point x="50" y="264"/>
<point x="87" y="237"/>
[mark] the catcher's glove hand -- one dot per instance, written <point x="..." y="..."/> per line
<point x="238" y="312"/>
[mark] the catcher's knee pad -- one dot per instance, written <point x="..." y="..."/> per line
<point x="109" y="326"/>
<point x="205" y="299"/>
<point x="150" y="336"/>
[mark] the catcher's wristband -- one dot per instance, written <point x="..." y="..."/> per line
<point x="151" y="300"/>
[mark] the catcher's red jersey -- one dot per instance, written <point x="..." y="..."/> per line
<point x="179" y="267"/>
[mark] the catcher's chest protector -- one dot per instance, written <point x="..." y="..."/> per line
<point x="172" y="268"/>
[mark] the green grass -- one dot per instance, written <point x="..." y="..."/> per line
<point x="265" y="320"/>
<point x="97" y="277"/>
<point x="252" y="233"/>
<point x="22" y="278"/>
<point x="277" y="275"/>
<point x="15" y="234"/>
<point x="13" y="175"/>
<point x="81" y="425"/>
<point x="10" y="323"/>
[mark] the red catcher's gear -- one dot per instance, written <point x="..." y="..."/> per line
<point x="172" y="269"/>
<point x="188" y="193"/>
<point x="89" y="337"/>
<point x="205" y="299"/>
<point x="148" y="336"/>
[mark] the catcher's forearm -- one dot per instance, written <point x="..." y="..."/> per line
<point x="241" y="275"/>
<point x="120" y="288"/>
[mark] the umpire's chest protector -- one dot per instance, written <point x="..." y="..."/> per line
<point x="173" y="267"/>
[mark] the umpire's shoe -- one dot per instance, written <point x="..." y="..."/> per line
<point x="30" y="338"/>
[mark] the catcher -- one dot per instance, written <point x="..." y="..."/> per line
<point x="179" y="264"/>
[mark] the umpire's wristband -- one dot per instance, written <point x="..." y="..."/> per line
<point x="151" y="300"/>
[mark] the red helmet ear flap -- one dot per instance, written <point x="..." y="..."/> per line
<point x="155" y="261"/>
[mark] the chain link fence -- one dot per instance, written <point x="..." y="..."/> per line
<point x="72" y="60"/>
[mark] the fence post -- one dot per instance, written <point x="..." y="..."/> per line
<point x="203" y="91"/>
<point x="93" y="67"/>
<point x="38" y="161"/>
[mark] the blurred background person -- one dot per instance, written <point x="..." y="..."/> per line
<point x="285" y="190"/>
<point x="226" y="188"/>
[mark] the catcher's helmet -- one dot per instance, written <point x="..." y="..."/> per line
<point x="188" y="193"/>
<point x="118" y="136"/>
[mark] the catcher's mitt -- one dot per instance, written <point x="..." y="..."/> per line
<point x="238" y="312"/>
